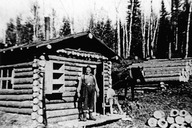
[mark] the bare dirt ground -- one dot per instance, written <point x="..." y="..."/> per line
<point x="175" y="97"/>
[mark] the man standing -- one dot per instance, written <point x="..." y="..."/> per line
<point x="86" y="92"/>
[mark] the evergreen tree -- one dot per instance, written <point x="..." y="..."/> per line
<point x="10" y="34"/>
<point x="66" y="28"/>
<point x="164" y="33"/>
<point x="136" y="44"/>
<point x="105" y="32"/>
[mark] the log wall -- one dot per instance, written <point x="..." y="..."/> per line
<point x="163" y="70"/>
<point x="18" y="99"/>
<point x="64" y="106"/>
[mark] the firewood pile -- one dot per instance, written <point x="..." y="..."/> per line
<point x="174" y="119"/>
<point x="163" y="70"/>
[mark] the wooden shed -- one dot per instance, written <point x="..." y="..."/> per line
<point x="40" y="78"/>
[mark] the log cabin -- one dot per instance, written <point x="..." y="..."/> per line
<point x="40" y="78"/>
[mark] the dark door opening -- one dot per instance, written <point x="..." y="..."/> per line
<point x="99" y="77"/>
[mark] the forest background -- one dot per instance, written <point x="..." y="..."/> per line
<point x="143" y="28"/>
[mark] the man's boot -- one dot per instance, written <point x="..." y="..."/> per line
<point x="91" y="116"/>
<point x="81" y="117"/>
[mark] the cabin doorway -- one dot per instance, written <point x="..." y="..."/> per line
<point x="99" y="77"/>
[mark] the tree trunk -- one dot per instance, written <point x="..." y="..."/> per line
<point x="126" y="41"/>
<point x="118" y="37"/>
<point x="123" y="47"/>
<point x="187" y="36"/>
<point x="143" y="35"/>
<point x="154" y="37"/>
<point x="130" y="29"/>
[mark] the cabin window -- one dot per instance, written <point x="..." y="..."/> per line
<point x="6" y="78"/>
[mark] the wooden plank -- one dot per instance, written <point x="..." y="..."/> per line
<point x="15" y="97"/>
<point x="64" y="118"/>
<point x="23" y="86"/>
<point x="18" y="104"/>
<point x="48" y="77"/>
<point x="27" y="111"/>
<point x="12" y="92"/>
<point x="60" y="106"/>
<point x="59" y="113"/>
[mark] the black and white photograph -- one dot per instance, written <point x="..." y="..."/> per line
<point x="96" y="64"/>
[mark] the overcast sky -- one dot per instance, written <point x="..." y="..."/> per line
<point x="80" y="10"/>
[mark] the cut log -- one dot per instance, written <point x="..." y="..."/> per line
<point x="23" y="80"/>
<point x="170" y="120"/>
<point x="162" y="123"/>
<point x="183" y="113"/>
<point x="188" y="118"/>
<point x="17" y="110"/>
<point x="152" y="122"/>
<point x="40" y="112"/>
<point x="13" y="92"/>
<point x="40" y="119"/>
<point x="60" y="106"/>
<point x="35" y="108"/>
<point x="23" y="74"/>
<point x="34" y="115"/>
<point x="59" y="113"/>
<point x="159" y="114"/>
<point x="23" y="86"/>
<point x="16" y="97"/>
<point x="179" y="120"/>
<point x="174" y="112"/>
<point x="23" y="104"/>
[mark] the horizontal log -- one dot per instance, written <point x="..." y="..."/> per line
<point x="27" y="64"/>
<point x="72" y="68"/>
<point x="23" y="74"/>
<point x="60" y="106"/>
<point x="162" y="79"/>
<point x="162" y="75"/>
<point x="15" y="97"/>
<point x="23" y="86"/>
<point x="63" y="100"/>
<point x="70" y="89"/>
<point x="27" y="111"/>
<point x="23" y="80"/>
<point x="18" y="104"/>
<point x="59" y="113"/>
<point x="23" y="69"/>
<point x="12" y="92"/>
<point x="71" y="83"/>
<point x="64" y="118"/>
<point x="73" y="73"/>
<point x="71" y="78"/>
<point x="85" y="62"/>
<point x="68" y="94"/>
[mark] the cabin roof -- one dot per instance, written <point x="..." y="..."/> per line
<point x="78" y="41"/>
